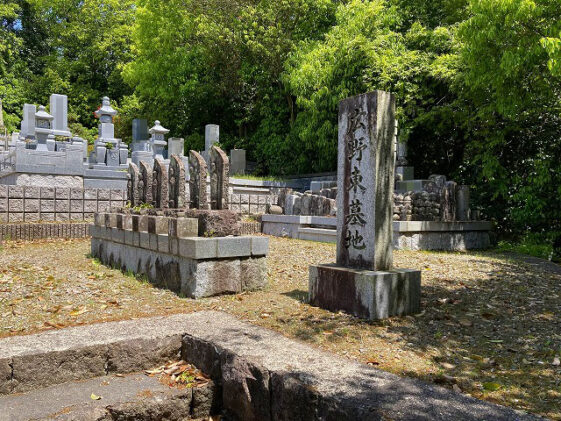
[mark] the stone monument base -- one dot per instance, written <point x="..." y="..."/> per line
<point x="364" y="293"/>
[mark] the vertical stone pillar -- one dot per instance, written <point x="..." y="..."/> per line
<point x="160" y="185"/>
<point x="132" y="185"/>
<point x="197" y="181"/>
<point x="176" y="182"/>
<point x="462" y="203"/>
<point x="145" y="183"/>
<point x="219" y="178"/>
<point x="362" y="282"/>
<point x="365" y="174"/>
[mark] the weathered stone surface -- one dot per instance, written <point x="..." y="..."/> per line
<point x="305" y="383"/>
<point x="216" y="223"/>
<point x="183" y="227"/>
<point x="365" y="178"/>
<point x="160" y="186"/>
<point x="194" y="272"/>
<point x="176" y="182"/>
<point x="133" y="196"/>
<point x="275" y="210"/>
<point x="197" y="181"/>
<point x="368" y="294"/>
<point x="145" y="183"/>
<point x="219" y="178"/>
<point x="245" y="388"/>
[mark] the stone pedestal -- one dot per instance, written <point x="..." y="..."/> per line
<point x="364" y="293"/>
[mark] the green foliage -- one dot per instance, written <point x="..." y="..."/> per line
<point x="532" y="244"/>
<point x="477" y="82"/>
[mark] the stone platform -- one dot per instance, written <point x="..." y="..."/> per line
<point x="407" y="235"/>
<point x="168" y="252"/>
<point x="364" y="293"/>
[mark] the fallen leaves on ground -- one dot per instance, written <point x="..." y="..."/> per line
<point x="179" y="374"/>
<point x="486" y="317"/>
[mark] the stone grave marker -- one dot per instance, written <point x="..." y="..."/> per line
<point x="176" y="182"/>
<point x="362" y="282"/>
<point x="145" y="183"/>
<point x="160" y="185"/>
<point x="219" y="178"/>
<point x="132" y="185"/>
<point x="197" y="181"/>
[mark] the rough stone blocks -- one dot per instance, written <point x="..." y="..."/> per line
<point x="363" y="293"/>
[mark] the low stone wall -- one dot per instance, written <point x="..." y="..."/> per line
<point x="38" y="231"/>
<point x="447" y="236"/>
<point x="32" y="204"/>
<point x="173" y="257"/>
<point x="407" y="235"/>
<point x="251" y="204"/>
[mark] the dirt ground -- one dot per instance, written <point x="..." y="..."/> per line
<point x="490" y="324"/>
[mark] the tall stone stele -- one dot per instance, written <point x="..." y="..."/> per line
<point x="160" y="185"/>
<point x="363" y="282"/>
<point x="197" y="181"/>
<point x="133" y="196"/>
<point x="176" y="182"/>
<point x="145" y="183"/>
<point x="219" y="178"/>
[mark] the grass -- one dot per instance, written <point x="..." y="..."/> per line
<point x="257" y="177"/>
<point x="490" y="325"/>
<point x="537" y="245"/>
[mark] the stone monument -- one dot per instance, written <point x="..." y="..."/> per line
<point x="237" y="161"/>
<point x="58" y="106"/>
<point x="219" y="178"/>
<point x="362" y="282"/>
<point x="197" y="181"/>
<point x="160" y="185"/>
<point x="27" y="129"/>
<point x="157" y="141"/>
<point x="176" y="182"/>
<point x="109" y="151"/>
<point x="132" y="185"/>
<point x="43" y="130"/>
<point x="145" y="183"/>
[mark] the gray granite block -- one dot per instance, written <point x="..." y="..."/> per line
<point x="233" y="246"/>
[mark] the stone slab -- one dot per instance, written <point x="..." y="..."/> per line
<point x="363" y="293"/>
<point x="301" y="382"/>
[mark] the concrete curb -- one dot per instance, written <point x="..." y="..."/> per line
<point x="264" y="375"/>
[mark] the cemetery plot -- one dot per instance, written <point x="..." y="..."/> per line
<point x="489" y="324"/>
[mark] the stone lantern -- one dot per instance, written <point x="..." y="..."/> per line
<point x="117" y="153"/>
<point x="158" y="139"/>
<point x="43" y="130"/>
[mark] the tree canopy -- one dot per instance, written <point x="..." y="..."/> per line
<point x="478" y="82"/>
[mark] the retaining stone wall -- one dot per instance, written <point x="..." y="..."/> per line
<point x="38" y="231"/>
<point x="251" y="204"/>
<point x="31" y="204"/>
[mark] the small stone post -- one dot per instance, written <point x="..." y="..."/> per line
<point x="219" y="178"/>
<point x="176" y="182"/>
<point x="362" y="282"/>
<point x="160" y="185"/>
<point x="197" y="181"/>
<point x="145" y="183"/>
<point x="132" y="185"/>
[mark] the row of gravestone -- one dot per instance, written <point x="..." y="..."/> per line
<point x="164" y="188"/>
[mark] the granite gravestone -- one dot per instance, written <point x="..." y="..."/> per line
<point x="58" y="106"/>
<point x="160" y="185"/>
<point x="132" y="185"/>
<point x="197" y="181"/>
<point x="219" y="178"/>
<point x="176" y="182"/>
<point x="362" y="282"/>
